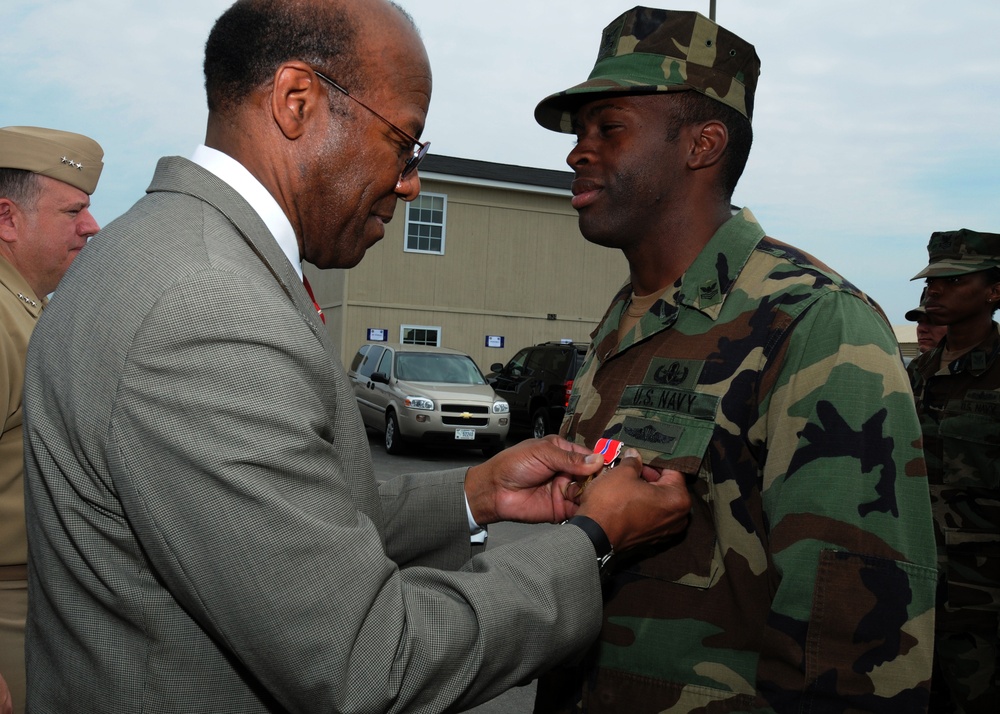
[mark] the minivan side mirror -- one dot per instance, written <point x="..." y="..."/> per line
<point x="496" y="366"/>
<point x="379" y="377"/>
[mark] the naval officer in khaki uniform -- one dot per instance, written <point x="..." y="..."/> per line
<point x="46" y="178"/>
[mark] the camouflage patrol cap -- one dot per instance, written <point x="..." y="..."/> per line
<point x="647" y="50"/>
<point x="71" y="158"/>
<point x="960" y="252"/>
<point x="920" y="311"/>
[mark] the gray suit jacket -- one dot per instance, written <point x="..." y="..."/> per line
<point x="205" y="530"/>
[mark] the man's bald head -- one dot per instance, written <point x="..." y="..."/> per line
<point x="254" y="37"/>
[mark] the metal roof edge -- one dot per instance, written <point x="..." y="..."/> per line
<point x="488" y="173"/>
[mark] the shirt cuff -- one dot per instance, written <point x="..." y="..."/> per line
<point x="477" y="533"/>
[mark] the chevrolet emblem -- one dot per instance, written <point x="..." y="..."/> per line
<point x="466" y="415"/>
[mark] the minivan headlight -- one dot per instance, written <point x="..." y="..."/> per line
<point x="501" y="407"/>
<point x="419" y="403"/>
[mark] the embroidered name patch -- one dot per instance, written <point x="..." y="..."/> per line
<point x="981" y="401"/>
<point x="667" y="399"/>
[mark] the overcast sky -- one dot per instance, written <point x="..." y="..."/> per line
<point x="876" y="123"/>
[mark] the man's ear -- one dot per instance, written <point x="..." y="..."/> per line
<point x="710" y="141"/>
<point x="10" y="220"/>
<point x="295" y="97"/>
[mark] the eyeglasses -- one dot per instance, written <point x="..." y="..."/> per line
<point x="420" y="148"/>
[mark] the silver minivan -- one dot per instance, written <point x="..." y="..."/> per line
<point x="415" y="393"/>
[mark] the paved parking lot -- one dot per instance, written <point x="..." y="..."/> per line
<point x="520" y="699"/>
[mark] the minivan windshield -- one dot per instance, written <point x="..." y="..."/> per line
<point x="449" y="369"/>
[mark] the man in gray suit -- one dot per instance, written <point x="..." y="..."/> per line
<point x="205" y="530"/>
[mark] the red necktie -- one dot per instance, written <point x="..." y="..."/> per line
<point x="305" y="281"/>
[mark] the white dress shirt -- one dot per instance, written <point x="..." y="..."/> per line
<point x="253" y="192"/>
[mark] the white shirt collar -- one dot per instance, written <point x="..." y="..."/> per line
<point x="244" y="183"/>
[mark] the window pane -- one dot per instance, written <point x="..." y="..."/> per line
<point x="421" y="336"/>
<point x="370" y="360"/>
<point x="384" y="365"/>
<point x="425" y="224"/>
<point x="358" y="357"/>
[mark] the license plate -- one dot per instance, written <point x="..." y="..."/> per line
<point x="465" y="434"/>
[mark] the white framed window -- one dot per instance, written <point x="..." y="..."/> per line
<point x="425" y="222"/>
<point x="420" y="335"/>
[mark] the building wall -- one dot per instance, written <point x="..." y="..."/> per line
<point x="906" y="336"/>
<point x="514" y="265"/>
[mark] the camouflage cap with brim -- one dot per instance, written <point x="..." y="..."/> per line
<point x="71" y="158"/>
<point x="647" y="50"/>
<point x="960" y="252"/>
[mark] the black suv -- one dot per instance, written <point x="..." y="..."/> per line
<point x="536" y="383"/>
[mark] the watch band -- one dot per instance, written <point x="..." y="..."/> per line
<point x="602" y="546"/>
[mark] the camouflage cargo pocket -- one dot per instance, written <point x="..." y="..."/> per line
<point x="863" y="642"/>
<point x="973" y="570"/>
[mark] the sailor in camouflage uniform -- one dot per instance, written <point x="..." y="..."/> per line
<point x="957" y="390"/>
<point x="805" y="580"/>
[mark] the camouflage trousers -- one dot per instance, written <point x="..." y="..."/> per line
<point x="967" y="633"/>
<point x="968" y="664"/>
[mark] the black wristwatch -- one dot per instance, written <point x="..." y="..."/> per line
<point x="602" y="546"/>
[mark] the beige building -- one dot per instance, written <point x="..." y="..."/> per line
<point x="488" y="254"/>
<point x="487" y="260"/>
<point x="906" y="336"/>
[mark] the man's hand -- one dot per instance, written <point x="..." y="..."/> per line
<point x="529" y="482"/>
<point x="6" y="705"/>
<point x="634" y="503"/>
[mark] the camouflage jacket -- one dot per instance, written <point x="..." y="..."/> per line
<point x="959" y="409"/>
<point x="805" y="580"/>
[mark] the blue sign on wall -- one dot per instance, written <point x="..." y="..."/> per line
<point x="494" y="341"/>
<point x="378" y="334"/>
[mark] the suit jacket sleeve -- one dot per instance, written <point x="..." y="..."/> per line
<point x="426" y="522"/>
<point x="238" y="456"/>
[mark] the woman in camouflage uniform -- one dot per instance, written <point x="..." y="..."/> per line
<point x="957" y="390"/>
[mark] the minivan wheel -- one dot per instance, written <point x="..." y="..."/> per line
<point x="540" y="423"/>
<point x="393" y="439"/>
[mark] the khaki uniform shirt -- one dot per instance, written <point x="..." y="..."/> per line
<point x="19" y="311"/>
